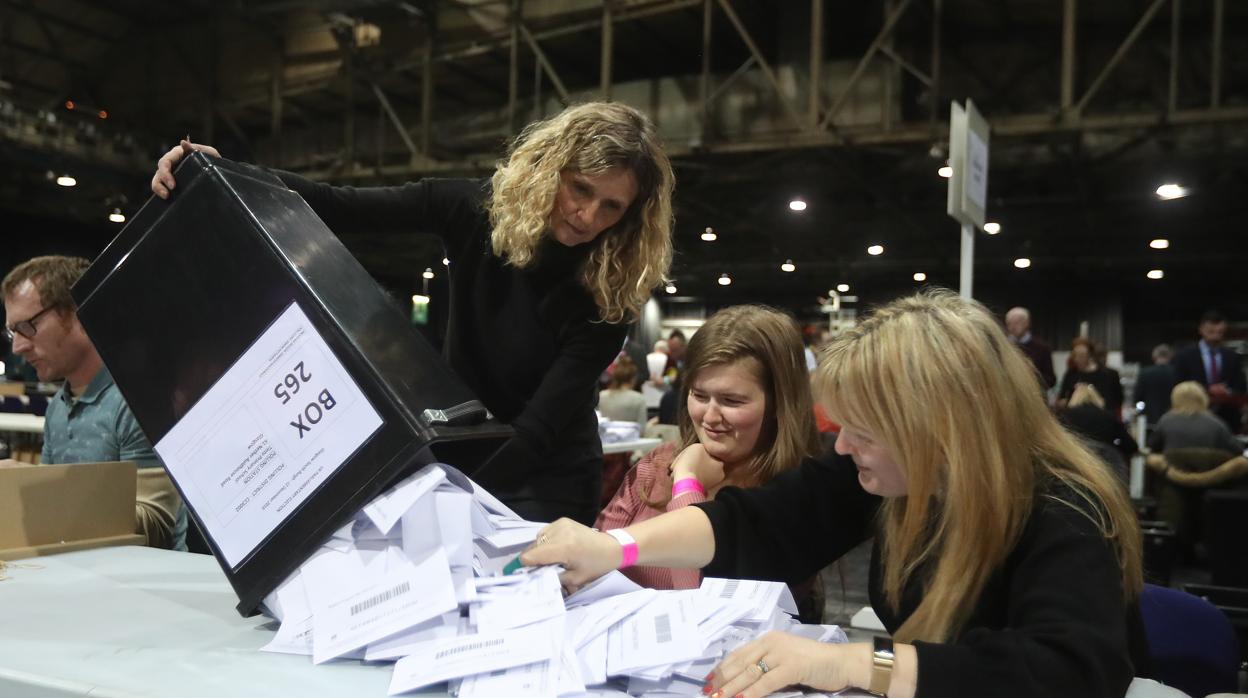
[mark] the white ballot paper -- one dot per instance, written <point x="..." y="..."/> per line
<point x="347" y="615"/>
<point x="275" y="426"/>
<point x="439" y="660"/>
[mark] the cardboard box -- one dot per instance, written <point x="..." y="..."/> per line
<point x="49" y="509"/>
<point x="282" y="388"/>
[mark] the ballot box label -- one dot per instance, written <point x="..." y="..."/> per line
<point x="276" y="425"/>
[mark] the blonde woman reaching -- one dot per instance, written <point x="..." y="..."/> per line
<point x="1006" y="557"/>
<point x="549" y="260"/>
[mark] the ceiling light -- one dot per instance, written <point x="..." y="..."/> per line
<point x="420" y="299"/>
<point x="66" y="181"/>
<point x="920" y="276"/>
<point x="797" y="205"/>
<point x="1171" y="190"/>
<point x="117" y="216"/>
<point x="945" y="171"/>
<point x="724" y="279"/>
<point x="1156" y="274"/>
<point x="788" y="265"/>
<point x="709" y="235"/>
<point x="428" y="273"/>
<point x="875" y="250"/>
<point x="671" y="288"/>
<point x="446" y="262"/>
<point x="1022" y="262"/>
<point x="1159" y="244"/>
<point x="992" y="227"/>
<point x="842" y="288"/>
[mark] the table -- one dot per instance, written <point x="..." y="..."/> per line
<point x="629" y="446"/>
<point x="20" y="422"/>
<point x="131" y="622"/>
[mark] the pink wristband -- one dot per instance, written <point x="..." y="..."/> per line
<point x="687" y="484"/>
<point x="628" y="546"/>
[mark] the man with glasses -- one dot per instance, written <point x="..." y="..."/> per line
<point x="87" y="419"/>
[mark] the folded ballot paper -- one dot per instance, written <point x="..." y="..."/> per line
<point x="417" y="578"/>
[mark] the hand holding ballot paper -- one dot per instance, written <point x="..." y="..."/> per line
<point x="417" y="578"/>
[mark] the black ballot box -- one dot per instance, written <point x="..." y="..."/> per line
<point x="280" y="386"/>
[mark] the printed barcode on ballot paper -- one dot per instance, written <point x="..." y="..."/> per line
<point x="380" y="598"/>
<point x="662" y="629"/>
<point x="730" y="588"/>
<point x="469" y="647"/>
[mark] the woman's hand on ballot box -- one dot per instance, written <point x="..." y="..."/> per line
<point x="163" y="181"/>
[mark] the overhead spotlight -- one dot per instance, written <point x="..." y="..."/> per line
<point x="724" y="279"/>
<point x="670" y="288"/>
<point x="992" y="227"/>
<point x="920" y="276"/>
<point x="788" y="265"/>
<point x="842" y="288"/>
<point x="69" y="104"/>
<point x="446" y="262"/>
<point x="103" y="113"/>
<point x="117" y="216"/>
<point x="420" y="299"/>
<point x="1156" y="274"/>
<point x="66" y="181"/>
<point x="709" y="235"/>
<point x="875" y="250"/>
<point x="1171" y="190"/>
<point x="1159" y="244"/>
<point x="428" y="273"/>
<point x="797" y="205"/>
<point x="1022" y="262"/>
<point x="945" y="171"/>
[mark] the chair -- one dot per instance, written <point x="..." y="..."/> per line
<point x="1192" y="645"/>
<point x="1226" y="521"/>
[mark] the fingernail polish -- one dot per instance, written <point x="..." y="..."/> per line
<point x="710" y="676"/>
<point x="706" y="690"/>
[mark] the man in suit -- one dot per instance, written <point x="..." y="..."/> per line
<point x="1018" y="325"/>
<point x="1155" y="383"/>
<point x="1216" y="367"/>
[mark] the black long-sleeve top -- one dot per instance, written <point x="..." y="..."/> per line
<point x="1106" y="381"/>
<point x="1051" y="621"/>
<point x="527" y="341"/>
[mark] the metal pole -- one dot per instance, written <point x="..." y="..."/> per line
<point x="545" y="64"/>
<point x="513" y="72"/>
<point x="426" y="90"/>
<point x="704" y="84"/>
<point x="1126" y="45"/>
<point x="937" y="11"/>
<point x="1068" y="55"/>
<point x="1176" y="10"/>
<point x="816" y="61"/>
<point x="886" y="94"/>
<point x="1215" y="80"/>
<point x="967" y="270"/>
<point x="275" y="98"/>
<point x="608" y="36"/>
<point x="394" y="118"/>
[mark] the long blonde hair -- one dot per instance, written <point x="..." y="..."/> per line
<point x="631" y="258"/>
<point x="935" y="378"/>
<point x="769" y="342"/>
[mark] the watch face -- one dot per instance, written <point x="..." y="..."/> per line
<point x="883" y="649"/>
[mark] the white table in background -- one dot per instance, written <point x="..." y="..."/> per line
<point x="629" y="446"/>
<point x="21" y="422"/>
<point x="141" y="622"/>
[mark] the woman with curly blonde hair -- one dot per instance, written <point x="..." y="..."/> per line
<point x="549" y="260"/>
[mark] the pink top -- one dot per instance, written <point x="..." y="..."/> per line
<point x="627" y="508"/>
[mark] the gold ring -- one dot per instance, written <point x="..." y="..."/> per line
<point x="541" y="540"/>
<point x="762" y="666"/>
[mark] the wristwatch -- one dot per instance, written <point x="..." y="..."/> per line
<point x="881" y="666"/>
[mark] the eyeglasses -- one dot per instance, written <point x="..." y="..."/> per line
<point x="26" y="327"/>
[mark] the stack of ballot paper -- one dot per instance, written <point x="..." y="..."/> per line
<point x="417" y="578"/>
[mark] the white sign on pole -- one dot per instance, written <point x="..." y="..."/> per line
<point x="275" y="426"/>
<point x="968" y="156"/>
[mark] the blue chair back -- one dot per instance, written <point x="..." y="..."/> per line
<point x="1192" y="645"/>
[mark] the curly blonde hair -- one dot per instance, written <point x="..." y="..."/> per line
<point x="632" y="257"/>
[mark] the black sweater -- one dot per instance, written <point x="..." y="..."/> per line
<point x="527" y="341"/>
<point x="1050" y="622"/>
